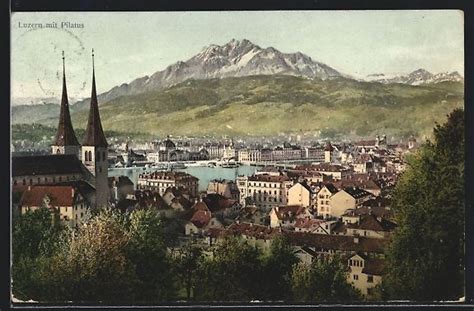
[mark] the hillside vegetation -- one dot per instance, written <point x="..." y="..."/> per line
<point x="268" y="105"/>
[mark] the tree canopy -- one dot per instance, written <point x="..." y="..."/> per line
<point x="425" y="259"/>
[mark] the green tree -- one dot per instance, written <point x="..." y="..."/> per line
<point x="147" y="252"/>
<point x="34" y="238"/>
<point x="232" y="274"/>
<point x="34" y="233"/>
<point x="277" y="269"/>
<point x="187" y="264"/>
<point x="425" y="257"/>
<point x="322" y="281"/>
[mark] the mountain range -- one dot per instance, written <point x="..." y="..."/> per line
<point x="244" y="65"/>
<point x="417" y="77"/>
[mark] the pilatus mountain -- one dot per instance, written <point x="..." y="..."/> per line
<point x="240" y="88"/>
<point x="237" y="58"/>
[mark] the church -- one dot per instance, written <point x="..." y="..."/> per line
<point x="78" y="169"/>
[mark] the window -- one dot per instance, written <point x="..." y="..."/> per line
<point x="370" y="279"/>
<point x="355" y="277"/>
<point x="103" y="156"/>
<point x="24" y="182"/>
<point x="31" y="181"/>
<point x="58" y="151"/>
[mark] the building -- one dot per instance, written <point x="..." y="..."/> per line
<point x="365" y="273"/>
<point x="248" y="156"/>
<point x="162" y="180"/>
<point x="301" y="194"/>
<point x="226" y="188"/>
<point x="265" y="191"/>
<point x="368" y="225"/>
<point x="286" y="216"/>
<point x="65" y="141"/>
<point x="94" y="148"/>
<point x="335" y="171"/>
<point x="324" y="198"/>
<point x="348" y="198"/>
<point x="120" y="187"/>
<point x="65" y="163"/>
<point x="328" y="153"/>
<point x="201" y="220"/>
<point x="68" y="203"/>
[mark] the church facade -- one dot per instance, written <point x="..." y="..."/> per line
<point x="70" y="162"/>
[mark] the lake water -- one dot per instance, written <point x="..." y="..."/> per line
<point x="204" y="173"/>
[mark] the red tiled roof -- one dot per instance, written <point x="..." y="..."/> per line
<point x="201" y="218"/>
<point x="289" y="211"/>
<point x="268" y="178"/>
<point x="59" y="195"/>
<point x="308" y="223"/>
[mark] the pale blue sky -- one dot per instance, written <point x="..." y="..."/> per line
<point x="131" y="45"/>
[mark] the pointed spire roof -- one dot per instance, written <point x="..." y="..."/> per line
<point x="65" y="135"/>
<point x="94" y="133"/>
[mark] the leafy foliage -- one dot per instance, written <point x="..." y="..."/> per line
<point x="277" y="269"/>
<point x="232" y="274"/>
<point x="323" y="281"/>
<point x="428" y="247"/>
<point x="111" y="258"/>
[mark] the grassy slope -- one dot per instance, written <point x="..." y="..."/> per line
<point x="267" y="105"/>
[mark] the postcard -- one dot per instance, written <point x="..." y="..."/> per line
<point x="202" y="157"/>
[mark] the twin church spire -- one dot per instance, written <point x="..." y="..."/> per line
<point x="94" y="135"/>
<point x="65" y="135"/>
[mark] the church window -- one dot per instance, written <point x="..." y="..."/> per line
<point x="58" y="151"/>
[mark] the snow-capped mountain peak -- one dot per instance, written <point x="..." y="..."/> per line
<point x="416" y="77"/>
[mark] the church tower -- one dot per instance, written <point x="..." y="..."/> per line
<point x="66" y="141"/>
<point x="94" y="148"/>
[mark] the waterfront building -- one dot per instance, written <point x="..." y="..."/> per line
<point x="162" y="180"/>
